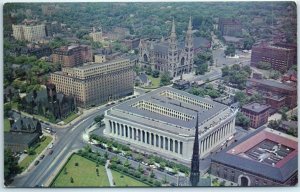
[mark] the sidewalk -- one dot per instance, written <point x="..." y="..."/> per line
<point x="63" y="162"/>
<point x="109" y="174"/>
<point x="29" y="168"/>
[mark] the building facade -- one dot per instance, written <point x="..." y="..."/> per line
<point x="230" y="27"/>
<point x="169" y="55"/>
<point x="280" y="58"/>
<point x="257" y="113"/>
<point x="163" y="121"/>
<point x="265" y="157"/>
<point x="95" y="83"/>
<point x="29" y="32"/>
<point x="71" y="56"/>
<point x="275" y="93"/>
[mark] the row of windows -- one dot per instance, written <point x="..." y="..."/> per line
<point x="146" y="137"/>
<point x="144" y="105"/>
<point x="185" y="99"/>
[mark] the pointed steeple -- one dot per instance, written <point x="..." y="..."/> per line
<point x="195" y="173"/>
<point x="173" y="32"/>
<point x="140" y="44"/>
<point x="190" y="27"/>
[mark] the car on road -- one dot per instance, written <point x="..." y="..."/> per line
<point x="51" y="146"/>
<point x="50" y="152"/>
<point x="36" y="163"/>
<point x="42" y="157"/>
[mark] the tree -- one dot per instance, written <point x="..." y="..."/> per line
<point x="71" y="180"/>
<point x="152" y="175"/>
<point x="274" y="124"/>
<point x="225" y="71"/>
<point x="240" y="97"/>
<point x="98" y="119"/>
<point x="155" y="73"/>
<point x="201" y="69"/>
<point x="242" y="120"/>
<point x="230" y="50"/>
<point x="11" y="167"/>
<point x="148" y="70"/>
<point x="162" y="165"/>
<point x="263" y="65"/>
<point x="165" y="78"/>
<point x="65" y="171"/>
<point x="31" y="151"/>
<point x="274" y="74"/>
<point x="7" y="108"/>
<point x="126" y="163"/>
<point x="248" y="42"/>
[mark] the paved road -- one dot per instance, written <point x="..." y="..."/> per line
<point x="67" y="140"/>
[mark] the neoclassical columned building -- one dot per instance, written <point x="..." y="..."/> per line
<point x="163" y="121"/>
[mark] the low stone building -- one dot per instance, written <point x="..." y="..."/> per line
<point x="265" y="157"/>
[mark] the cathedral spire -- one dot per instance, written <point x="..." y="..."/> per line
<point x="140" y="44"/>
<point x="173" y="32"/>
<point x="195" y="173"/>
<point x="190" y="27"/>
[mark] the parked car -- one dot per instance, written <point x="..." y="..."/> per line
<point x="36" y="163"/>
<point x="50" y="152"/>
<point x="42" y="157"/>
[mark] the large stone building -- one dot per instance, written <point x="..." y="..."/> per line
<point x="169" y="55"/>
<point x="95" y="83"/>
<point x="230" y="27"/>
<point x="275" y="93"/>
<point x="163" y="121"/>
<point x="265" y="157"/>
<point x="281" y="58"/>
<point x="32" y="32"/>
<point x="47" y="102"/>
<point x="71" y="56"/>
<point x="257" y="113"/>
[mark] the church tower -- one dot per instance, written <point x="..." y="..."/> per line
<point x="189" y="47"/>
<point x="195" y="173"/>
<point x="152" y="56"/>
<point x="172" y="52"/>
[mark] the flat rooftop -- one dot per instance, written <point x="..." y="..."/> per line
<point x="273" y="84"/>
<point x="172" y="106"/>
<point x="265" y="152"/>
<point x="256" y="107"/>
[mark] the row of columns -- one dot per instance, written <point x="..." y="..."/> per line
<point x="146" y="137"/>
<point x="214" y="138"/>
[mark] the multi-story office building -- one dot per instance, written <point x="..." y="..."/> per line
<point x="30" y="32"/>
<point x="280" y="58"/>
<point x="95" y="83"/>
<point x="275" y="93"/>
<point x="71" y="56"/>
<point x="257" y="113"/>
<point x="163" y="121"/>
<point x="230" y="27"/>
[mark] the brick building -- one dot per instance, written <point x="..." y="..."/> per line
<point x="275" y="93"/>
<point x="257" y="113"/>
<point x="280" y="58"/>
<point x="230" y="27"/>
<point x="96" y="83"/>
<point x="131" y="43"/>
<point x="71" y="56"/>
<point x="264" y="157"/>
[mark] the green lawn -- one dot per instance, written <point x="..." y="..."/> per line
<point x="84" y="175"/>
<point x="41" y="118"/>
<point x="6" y="125"/>
<point x="30" y="158"/>
<point x="125" y="180"/>
<point x="155" y="82"/>
<point x="71" y="117"/>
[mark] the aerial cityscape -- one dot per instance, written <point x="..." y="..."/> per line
<point x="150" y="94"/>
